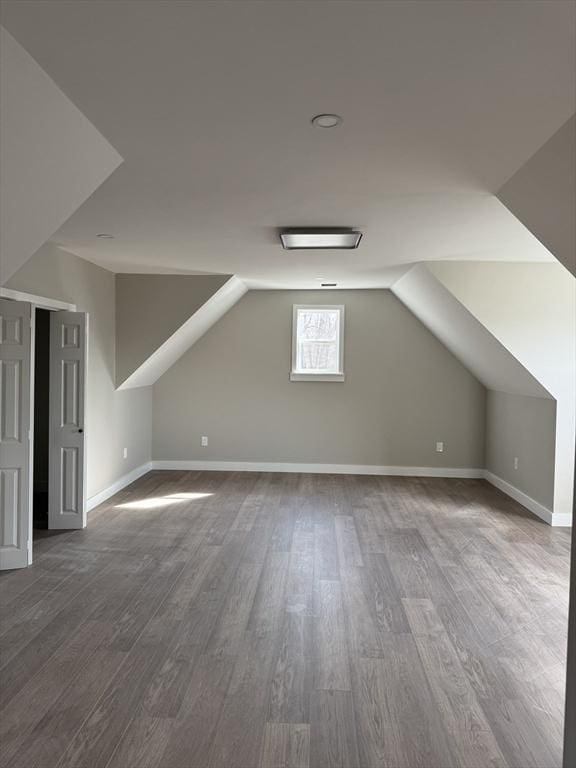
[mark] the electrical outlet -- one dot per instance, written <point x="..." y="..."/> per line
<point x="516" y="462"/>
<point x="204" y="441"/>
<point x="439" y="447"/>
<point x="125" y="453"/>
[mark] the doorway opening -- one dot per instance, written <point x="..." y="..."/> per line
<point x="41" y="420"/>
<point x="44" y="355"/>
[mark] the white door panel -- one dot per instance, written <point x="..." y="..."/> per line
<point x="15" y="426"/>
<point x="68" y="357"/>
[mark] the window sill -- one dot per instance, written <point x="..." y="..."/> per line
<point x="316" y="376"/>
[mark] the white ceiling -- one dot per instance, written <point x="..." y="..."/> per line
<point x="209" y="104"/>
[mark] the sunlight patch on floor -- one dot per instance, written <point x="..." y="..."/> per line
<point x="162" y="501"/>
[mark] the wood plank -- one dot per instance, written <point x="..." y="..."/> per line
<point x="363" y="630"/>
<point x="331" y="666"/>
<point x="236" y="607"/>
<point x="522" y="734"/>
<point x="239" y="732"/>
<point x="71" y="705"/>
<point x="332" y="730"/>
<point x="95" y="742"/>
<point x="290" y="685"/>
<point x="286" y="745"/>
<point x="37" y="698"/>
<point x="326" y="565"/>
<point x="454" y="696"/>
<point x="397" y="718"/>
<point x="192" y="733"/>
<point x="380" y="585"/>
<point x="142" y="743"/>
<point x="349" y="551"/>
<point x="267" y="613"/>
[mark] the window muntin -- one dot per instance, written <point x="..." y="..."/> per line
<point x="317" y="343"/>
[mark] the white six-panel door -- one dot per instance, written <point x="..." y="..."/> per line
<point x="68" y="359"/>
<point x="15" y="434"/>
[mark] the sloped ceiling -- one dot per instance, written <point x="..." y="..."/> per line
<point x="151" y="308"/>
<point x="464" y="335"/>
<point x="529" y="308"/>
<point x="52" y="157"/>
<point x="174" y="346"/>
<point x="210" y="104"/>
<point x="542" y="194"/>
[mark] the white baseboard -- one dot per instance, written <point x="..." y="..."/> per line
<point x="555" y="519"/>
<point x="122" y="482"/>
<point x="332" y="469"/>
<point x="562" y="519"/>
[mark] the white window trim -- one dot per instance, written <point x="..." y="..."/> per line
<point x="294" y="375"/>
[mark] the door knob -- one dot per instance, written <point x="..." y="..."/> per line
<point x="80" y="430"/>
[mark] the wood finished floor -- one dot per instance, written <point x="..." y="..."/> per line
<point x="289" y="621"/>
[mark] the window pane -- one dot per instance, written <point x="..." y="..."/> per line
<point x="315" y="356"/>
<point x="318" y="324"/>
<point x="318" y="346"/>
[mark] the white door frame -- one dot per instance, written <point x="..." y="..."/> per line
<point x="37" y="302"/>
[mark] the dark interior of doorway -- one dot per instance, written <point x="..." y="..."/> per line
<point x="41" y="418"/>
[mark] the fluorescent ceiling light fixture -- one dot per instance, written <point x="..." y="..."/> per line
<point x="320" y="238"/>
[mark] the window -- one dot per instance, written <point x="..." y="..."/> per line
<point x="317" y="343"/>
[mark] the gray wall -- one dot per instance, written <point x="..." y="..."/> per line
<point x="523" y="427"/>
<point x="150" y="308"/>
<point x="114" y="420"/>
<point x="403" y="391"/>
